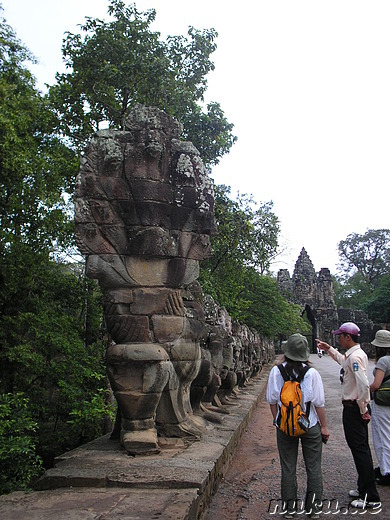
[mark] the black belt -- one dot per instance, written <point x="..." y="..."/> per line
<point x="349" y="402"/>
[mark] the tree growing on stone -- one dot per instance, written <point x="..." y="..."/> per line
<point x="117" y="63"/>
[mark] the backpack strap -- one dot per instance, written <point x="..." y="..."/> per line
<point x="303" y="373"/>
<point x="283" y="371"/>
<point x="286" y="377"/>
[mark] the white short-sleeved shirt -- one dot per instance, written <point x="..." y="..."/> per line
<point x="311" y="386"/>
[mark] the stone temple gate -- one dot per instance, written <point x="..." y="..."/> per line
<point x="314" y="292"/>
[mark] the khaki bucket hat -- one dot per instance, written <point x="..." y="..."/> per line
<point x="382" y="339"/>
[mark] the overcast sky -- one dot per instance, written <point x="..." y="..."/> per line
<point x="307" y="86"/>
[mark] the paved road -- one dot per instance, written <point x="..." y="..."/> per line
<point x="251" y="487"/>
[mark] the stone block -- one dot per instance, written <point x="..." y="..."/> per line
<point x="115" y="188"/>
<point x="183" y="218"/>
<point x="157" y="301"/>
<point x="88" y="185"/>
<point x="126" y="328"/>
<point x="193" y="309"/>
<point x="82" y="212"/>
<point x="136" y="167"/>
<point x="127" y="211"/>
<point x="137" y="352"/>
<point x="167" y="328"/>
<point x="152" y="241"/>
<point x="116" y="236"/>
<point x="91" y="241"/>
<point x="194" y="329"/>
<point x="194" y="245"/>
<point x="120" y="295"/>
<point x="154" y="213"/>
<point x="150" y="190"/>
<point x="152" y="272"/>
<point x="190" y="197"/>
<point x="110" y="270"/>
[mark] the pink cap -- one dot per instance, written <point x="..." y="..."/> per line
<point x="347" y="328"/>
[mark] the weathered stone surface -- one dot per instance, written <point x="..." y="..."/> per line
<point x="147" y="300"/>
<point x="167" y="328"/>
<point x="143" y="213"/>
<point x="127" y="328"/>
<point x="156" y="272"/>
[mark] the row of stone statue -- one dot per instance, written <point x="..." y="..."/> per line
<point x="229" y="355"/>
<point x="144" y="214"/>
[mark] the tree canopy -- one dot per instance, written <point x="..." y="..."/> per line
<point x="115" y="64"/>
<point x="367" y="254"/>
<point x="364" y="272"/>
<point x="48" y="369"/>
<point x="237" y="274"/>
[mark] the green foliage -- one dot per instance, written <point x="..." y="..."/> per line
<point x="351" y="291"/>
<point x="210" y="132"/>
<point x="367" y="254"/>
<point x="46" y="353"/>
<point x="235" y="275"/>
<point x="268" y="312"/>
<point x="247" y="234"/>
<point x="36" y="168"/>
<point x="364" y="267"/>
<point x="87" y="415"/>
<point x="377" y="305"/>
<point x="19" y="464"/>
<point x="121" y="62"/>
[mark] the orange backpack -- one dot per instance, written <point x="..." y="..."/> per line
<point x="292" y="420"/>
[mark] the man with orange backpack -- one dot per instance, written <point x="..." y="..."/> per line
<point x="296" y="397"/>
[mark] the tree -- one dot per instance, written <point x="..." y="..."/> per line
<point x="235" y="275"/>
<point x="367" y="254"/>
<point x="247" y="233"/>
<point x="35" y="169"/>
<point x="19" y="463"/>
<point x="122" y="62"/>
<point x="377" y="304"/>
<point x="46" y="365"/>
<point x="268" y="311"/>
<point x="364" y="266"/>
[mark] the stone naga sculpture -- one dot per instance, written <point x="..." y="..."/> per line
<point x="143" y="218"/>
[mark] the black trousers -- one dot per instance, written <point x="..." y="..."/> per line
<point x="356" y="435"/>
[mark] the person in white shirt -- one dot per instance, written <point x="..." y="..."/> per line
<point x="356" y="411"/>
<point x="297" y="353"/>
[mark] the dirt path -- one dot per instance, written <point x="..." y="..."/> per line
<point x="251" y="488"/>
